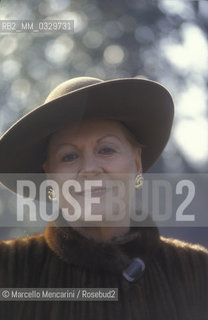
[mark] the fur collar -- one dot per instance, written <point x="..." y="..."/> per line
<point x="114" y="255"/>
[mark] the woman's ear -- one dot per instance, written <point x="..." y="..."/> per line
<point x="139" y="159"/>
<point x="45" y="167"/>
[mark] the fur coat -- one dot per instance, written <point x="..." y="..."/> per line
<point x="174" y="285"/>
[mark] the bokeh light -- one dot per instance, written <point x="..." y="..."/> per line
<point x="114" y="54"/>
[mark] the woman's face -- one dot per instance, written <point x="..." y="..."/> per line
<point x="92" y="147"/>
<point x="91" y="150"/>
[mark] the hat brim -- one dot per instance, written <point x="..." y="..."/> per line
<point x="144" y="106"/>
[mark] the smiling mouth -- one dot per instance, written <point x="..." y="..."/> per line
<point x="97" y="192"/>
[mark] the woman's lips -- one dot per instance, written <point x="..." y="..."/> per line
<point x="94" y="192"/>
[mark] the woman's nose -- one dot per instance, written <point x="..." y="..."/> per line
<point x="90" y="165"/>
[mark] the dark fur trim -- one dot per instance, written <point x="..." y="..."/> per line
<point x="113" y="255"/>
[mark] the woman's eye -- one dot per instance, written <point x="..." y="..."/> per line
<point x="107" y="150"/>
<point x="70" y="157"/>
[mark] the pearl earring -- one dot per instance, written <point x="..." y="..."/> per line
<point x="139" y="181"/>
<point x="51" y="194"/>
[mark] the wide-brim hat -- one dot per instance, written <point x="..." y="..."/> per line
<point x="145" y="107"/>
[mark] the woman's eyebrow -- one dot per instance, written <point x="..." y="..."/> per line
<point x="108" y="136"/>
<point x="62" y="145"/>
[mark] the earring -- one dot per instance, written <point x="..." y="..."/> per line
<point x="139" y="181"/>
<point x="51" y="194"/>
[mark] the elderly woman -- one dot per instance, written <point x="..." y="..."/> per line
<point x="89" y="129"/>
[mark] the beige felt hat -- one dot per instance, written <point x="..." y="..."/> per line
<point x="145" y="107"/>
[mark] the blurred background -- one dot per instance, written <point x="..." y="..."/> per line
<point x="163" y="40"/>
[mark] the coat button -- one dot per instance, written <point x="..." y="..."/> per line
<point x="135" y="270"/>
